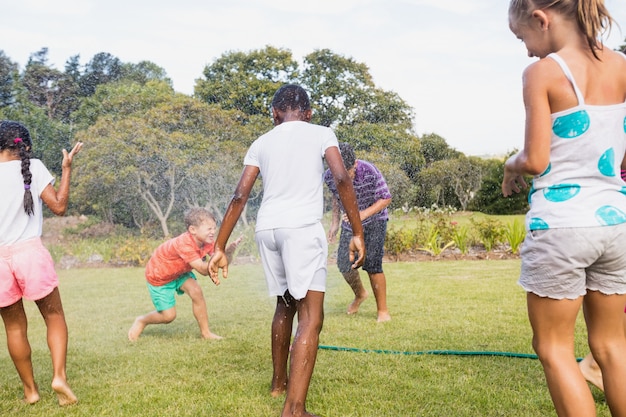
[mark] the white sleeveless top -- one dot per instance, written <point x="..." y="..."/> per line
<point x="582" y="186"/>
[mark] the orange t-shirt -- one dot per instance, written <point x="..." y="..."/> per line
<point x="171" y="259"/>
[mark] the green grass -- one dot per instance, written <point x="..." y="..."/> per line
<point x="468" y="306"/>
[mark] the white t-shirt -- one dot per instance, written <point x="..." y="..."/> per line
<point x="15" y="224"/>
<point x="290" y="158"/>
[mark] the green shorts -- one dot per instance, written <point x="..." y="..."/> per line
<point x="164" y="296"/>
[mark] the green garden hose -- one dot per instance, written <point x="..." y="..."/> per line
<point x="433" y="352"/>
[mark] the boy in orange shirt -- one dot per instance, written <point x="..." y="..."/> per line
<point x="169" y="272"/>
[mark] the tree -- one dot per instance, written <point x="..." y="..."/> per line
<point x="489" y="198"/>
<point x="143" y="72"/>
<point x="41" y="82"/>
<point x="157" y="159"/>
<point x="342" y="92"/>
<point x="8" y="75"/>
<point x="246" y="81"/>
<point x="435" y="148"/>
<point x="102" y="69"/>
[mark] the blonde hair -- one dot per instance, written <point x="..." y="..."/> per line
<point x="592" y="16"/>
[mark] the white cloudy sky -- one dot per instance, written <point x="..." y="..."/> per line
<point x="454" y="61"/>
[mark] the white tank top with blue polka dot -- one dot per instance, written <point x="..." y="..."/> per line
<point x="582" y="186"/>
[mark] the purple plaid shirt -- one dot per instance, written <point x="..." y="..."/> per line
<point x="369" y="187"/>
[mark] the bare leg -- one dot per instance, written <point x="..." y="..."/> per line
<point x="198" y="305"/>
<point x="607" y="340"/>
<point x="360" y="294"/>
<point x="379" y="287"/>
<point x="281" y="338"/>
<point x="553" y="323"/>
<point x="154" y="317"/>
<point x="16" y="325"/>
<point x="591" y="371"/>
<point x="304" y="353"/>
<point x="51" y="309"/>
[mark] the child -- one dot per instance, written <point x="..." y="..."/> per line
<point x="289" y="233"/>
<point x="168" y="273"/>
<point x="574" y="253"/>
<point x="373" y="197"/>
<point x="26" y="267"/>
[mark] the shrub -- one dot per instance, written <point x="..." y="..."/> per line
<point x="514" y="233"/>
<point x="400" y="241"/>
<point x="489" y="231"/>
<point x="462" y="239"/>
<point x="435" y="244"/>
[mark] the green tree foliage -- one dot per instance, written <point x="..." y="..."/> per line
<point x="489" y="197"/>
<point x="8" y="74"/>
<point x="246" y="81"/>
<point x="41" y="82"/>
<point x="343" y="92"/>
<point x="103" y="68"/>
<point x="157" y="160"/>
<point x="435" y="148"/>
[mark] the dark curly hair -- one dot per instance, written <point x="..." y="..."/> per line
<point x="291" y="97"/>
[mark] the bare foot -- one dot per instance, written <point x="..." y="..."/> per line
<point x="212" y="336"/>
<point x="31" y="396"/>
<point x="64" y="393"/>
<point x="383" y="316"/>
<point x="135" y="330"/>
<point x="278" y="389"/>
<point x="353" y="308"/>
<point x="591" y="371"/>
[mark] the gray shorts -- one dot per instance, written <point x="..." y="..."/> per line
<point x="374" y="234"/>
<point x="565" y="263"/>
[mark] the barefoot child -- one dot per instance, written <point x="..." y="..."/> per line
<point x="373" y="197"/>
<point x="289" y="234"/>
<point x="573" y="255"/>
<point x="26" y="267"/>
<point x="168" y="273"/>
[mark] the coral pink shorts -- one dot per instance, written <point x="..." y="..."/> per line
<point x="26" y="270"/>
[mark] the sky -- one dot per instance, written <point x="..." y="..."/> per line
<point x="455" y="62"/>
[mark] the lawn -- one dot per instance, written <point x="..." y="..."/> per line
<point x="468" y="309"/>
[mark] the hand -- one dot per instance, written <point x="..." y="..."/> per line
<point x="513" y="180"/>
<point x="67" y="157"/>
<point x="332" y="233"/>
<point x="218" y="261"/>
<point x="513" y="183"/>
<point x="230" y="249"/>
<point x="357" y="245"/>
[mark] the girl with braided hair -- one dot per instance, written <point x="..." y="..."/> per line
<point x="26" y="267"/>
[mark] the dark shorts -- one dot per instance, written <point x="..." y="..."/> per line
<point x="375" y="233"/>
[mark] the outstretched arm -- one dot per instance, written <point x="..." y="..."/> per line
<point x="57" y="200"/>
<point x="219" y="259"/>
<point x="348" y="200"/>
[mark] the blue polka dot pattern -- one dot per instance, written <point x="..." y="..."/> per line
<point x="561" y="192"/>
<point x="547" y="171"/>
<point x="606" y="164"/>
<point x="624" y="124"/>
<point x="609" y="216"/>
<point x="623" y="190"/>
<point x="572" y="125"/>
<point x="537" y="224"/>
